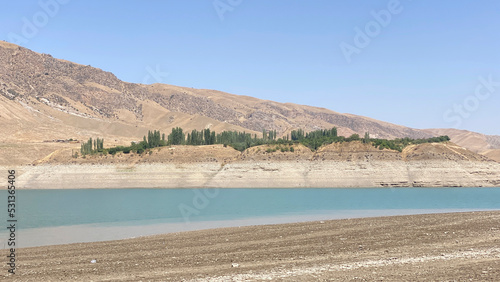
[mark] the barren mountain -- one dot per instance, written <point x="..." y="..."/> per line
<point x="44" y="99"/>
<point x="488" y="145"/>
<point x="41" y="84"/>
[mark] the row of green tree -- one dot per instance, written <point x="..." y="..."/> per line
<point x="87" y="148"/>
<point x="318" y="138"/>
<point x="399" y="144"/>
<point x="243" y="140"/>
<point x="154" y="139"/>
<point x="236" y="139"/>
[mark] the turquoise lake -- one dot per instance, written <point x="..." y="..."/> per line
<point x="48" y="217"/>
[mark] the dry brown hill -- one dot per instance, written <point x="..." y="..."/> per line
<point x="492" y="154"/>
<point x="488" y="145"/>
<point x="37" y="86"/>
<point x="43" y="99"/>
<point x="355" y="151"/>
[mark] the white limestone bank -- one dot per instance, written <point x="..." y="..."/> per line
<point x="285" y="174"/>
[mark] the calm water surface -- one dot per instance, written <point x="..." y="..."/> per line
<point x="48" y="217"/>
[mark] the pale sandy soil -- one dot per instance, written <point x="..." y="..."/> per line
<point x="438" y="247"/>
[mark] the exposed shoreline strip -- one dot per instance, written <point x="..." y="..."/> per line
<point x="454" y="246"/>
<point x="285" y="174"/>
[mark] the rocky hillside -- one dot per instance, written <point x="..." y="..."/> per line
<point x="44" y="100"/>
<point x="41" y="83"/>
<point x="488" y="145"/>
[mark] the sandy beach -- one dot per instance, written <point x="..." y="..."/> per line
<point x="454" y="246"/>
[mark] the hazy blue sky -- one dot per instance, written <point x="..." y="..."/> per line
<point x="422" y="64"/>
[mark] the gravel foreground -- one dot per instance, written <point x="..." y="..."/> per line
<point x="435" y="247"/>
